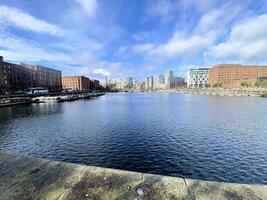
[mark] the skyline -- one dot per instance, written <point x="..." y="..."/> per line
<point x="132" y="38"/>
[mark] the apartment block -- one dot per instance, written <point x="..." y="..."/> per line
<point x="20" y="77"/>
<point x="233" y="75"/>
<point x="76" y="83"/>
<point x="45" y="77"/>
<point x="94" y="84"/>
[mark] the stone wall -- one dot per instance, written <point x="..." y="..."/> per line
<point x="23" y="177"/>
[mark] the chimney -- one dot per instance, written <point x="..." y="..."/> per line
<point x="1" y="58"/>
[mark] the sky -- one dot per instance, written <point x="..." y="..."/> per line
<point x="138" y="38"/>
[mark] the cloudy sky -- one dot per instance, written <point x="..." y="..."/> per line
<point x="118" y="38"/>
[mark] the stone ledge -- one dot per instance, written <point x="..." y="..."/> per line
<point x="23" y="177"/>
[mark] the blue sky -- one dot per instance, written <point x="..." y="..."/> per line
<point x="138" y="38"/>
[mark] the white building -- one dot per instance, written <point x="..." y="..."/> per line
<point x="121" y="84"/>
<point x="147" y="83"/>
<point x="159" y="82"/>
<point x="168" y="79"/>
<point x="198" y="78"/>
<point x="151" y="82"/>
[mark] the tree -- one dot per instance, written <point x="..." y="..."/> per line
<point x="261" y="83"/>
<point x="217" y="85"/>
<point x="245" y="84"/>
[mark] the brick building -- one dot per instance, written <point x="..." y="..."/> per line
<point x="94" y="84"/>
<point x="233" y="75"/>
<point x="45" y="77"/>
<point x="77" y="83"/>
<point x="20" y="77"/>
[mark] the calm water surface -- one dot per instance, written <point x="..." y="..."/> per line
<point x="194" y="136"/>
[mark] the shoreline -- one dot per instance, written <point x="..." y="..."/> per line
<point x="227" y="92"/>
<point x="216" y="92"/>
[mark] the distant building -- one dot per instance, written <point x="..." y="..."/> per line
<point x="94" y="84"/>
<point x="151" y="82"/>
<point x="147" y="83"/>
<point x="138" y="85"/>
<point x="178" y="82"/>
<point x="159" y="82"/>
<point x="76" y="83"/>
<point x="20" y="77"/>
<point x="168" y="79"/>
<point x="198" y="78"/>
<point x="129" y="82"/>
<point x="121" y="84"/>
<point x="233" y="75"/>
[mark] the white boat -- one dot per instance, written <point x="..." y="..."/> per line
<point x="47" y="99"/>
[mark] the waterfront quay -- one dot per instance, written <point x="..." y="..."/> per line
<point x="256" y="92"/>
<point x="23" y="177"/>
<point x="60" y="97"/>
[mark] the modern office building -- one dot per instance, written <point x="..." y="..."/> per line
<point x="233" y="75"/>
<point x="20" y="77"/>
<point x="76" y="83"/>
<point x="129" y="82"/>
<point x="198" y="78"/>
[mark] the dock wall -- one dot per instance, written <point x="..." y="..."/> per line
<point x="23" y="177"/>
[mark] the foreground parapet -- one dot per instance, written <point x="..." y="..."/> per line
<point x="24" y="177"/>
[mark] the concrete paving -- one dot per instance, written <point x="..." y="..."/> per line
<point x="23" y="177"/>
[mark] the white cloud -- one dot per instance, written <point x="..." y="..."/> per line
<point x="247" y="41"/>
<point x="186" y="47"/>
<point x="16" y="49"/>
<point x="15" y="17"/>
<point x="168" y="10"/>
<point x="101" y="71"/>
<point x="218" y="19"/>
<point x="142" y="48"/>
<point x="121" y="50"/>
<point x="164" y="9"/>
<point x="197" y="5"/>
<point x="186" y="43"/>
<point x="89" y="7"/>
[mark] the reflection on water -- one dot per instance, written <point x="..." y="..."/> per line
<point x="194" y="136"/>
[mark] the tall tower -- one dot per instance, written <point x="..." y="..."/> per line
<point x="106" y="82"/>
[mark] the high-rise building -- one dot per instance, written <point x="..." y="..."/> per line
<point x="168" y="79"/>
<point x="198" y="78"/>
<point x="20" y="77"/>
<point x="233" y="75"/>
<point x="76" y="83"/>
<point x="159" y="82"/>
<point x="151" y="82"/>
<point x="147" y="83"/>
<point x="129" y="82"/>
